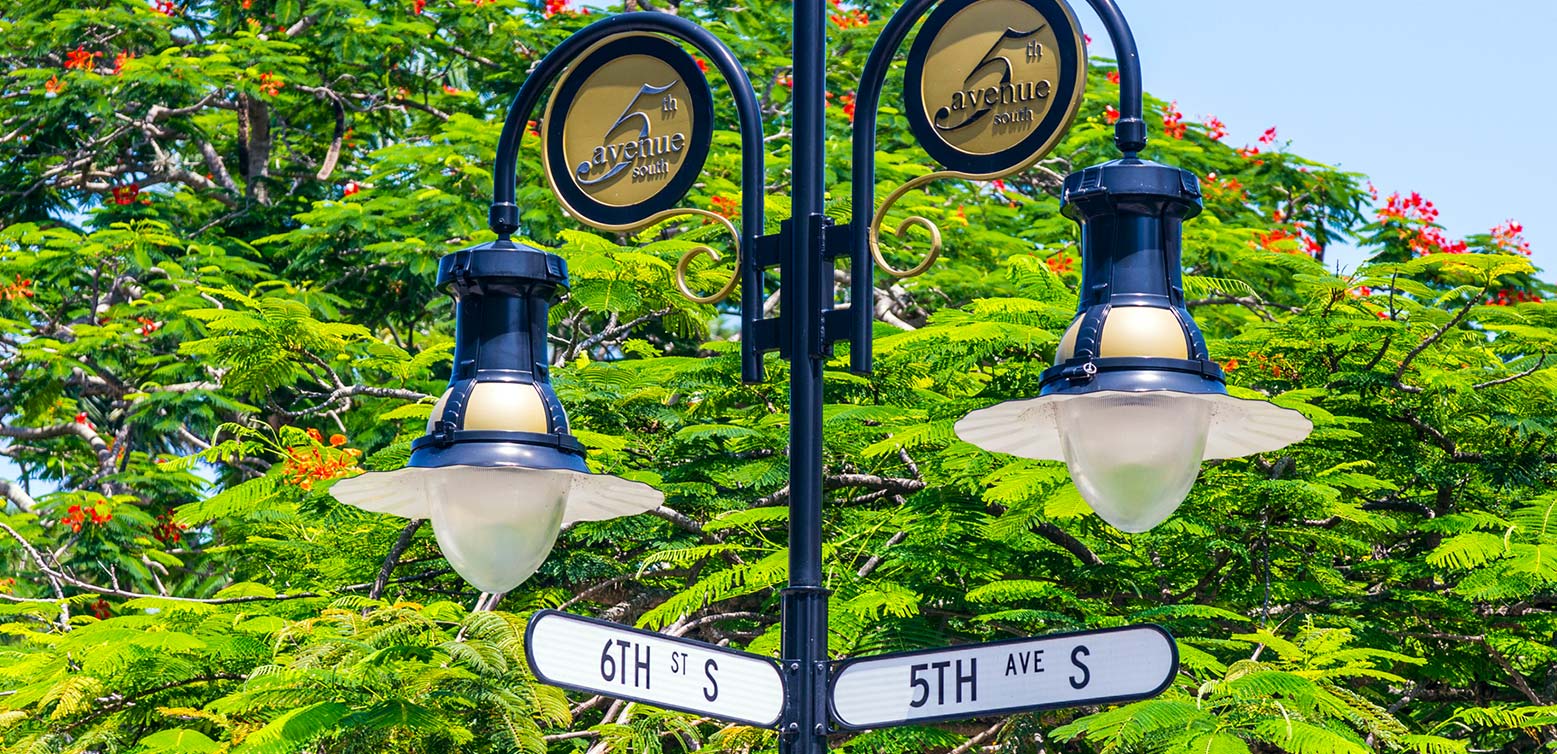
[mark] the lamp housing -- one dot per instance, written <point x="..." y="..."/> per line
<point x="1133" y="403"/>
<point x="498" y="472"/>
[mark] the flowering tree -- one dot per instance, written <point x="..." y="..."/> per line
<point x="221" y="221"/>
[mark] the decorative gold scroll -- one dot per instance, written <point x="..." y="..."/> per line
<point x="901" y="231"/>
<point x="686" y="259"/>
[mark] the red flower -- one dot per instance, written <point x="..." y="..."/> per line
<point x="53" y="86"/>
<point x="726" y="206"/>
<point x="22" y="288"/>
<point x="126" y="194"/>
<point x="1509" y="238"/>
<point x="1113" y="78"/>
<point x="1414" y="218"/>
<point x="1173" y="121"/>
<point x="165" y="7"/>
<point x="786" y="80"/>
<point x="120" y="60"/>
<point x="1215" y="128"/>
<point x="1059" y="264"/>
<point x="1227" y="188"/>
<point x="168" y="531"/>
<point x="450" y="90"/>
<point x="417" y="6"/>
<point x="270" y="85"/>
<point x="847" y="101"/>
<point x="148" y="326"/>
<point x="101" y="609"/>
<point x="702" y="65"/>
<point x="351" y="188"/>
<point x="80" y="59"/>
<point x="318" y="464"/>
<point x="1269" y="240"/>
<point x="1269" y="137"/>
<point x="1110" y="115"/>
<point x="853" y="19"/>
<point x="553" y="7"/>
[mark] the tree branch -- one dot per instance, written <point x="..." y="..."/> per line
<point x="875" y="559"/>
<point x="393" y="558"/>
<point x="333" y="154"/>
<point x="980" y="738"/>
<point x="1505" y="380"/>
<point x="1405" y="363"/>
<point x="612" y="331"/>
<point x="1067" y="542"/>
<point x="54" y="579"/>
<point x="14" y="492"/>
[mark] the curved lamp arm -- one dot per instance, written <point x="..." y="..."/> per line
<point x="1130" y="132"/>
<point x="503" y="217"/>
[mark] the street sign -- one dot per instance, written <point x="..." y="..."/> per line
<point x="627" y="130"/>
<point x="642" y="666"/>
<point x="992" y="85"/>
<point x="1062" y="670"/>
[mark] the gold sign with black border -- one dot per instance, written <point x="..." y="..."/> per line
<point x="992" y="85"/>
<point x="627" y="130"/>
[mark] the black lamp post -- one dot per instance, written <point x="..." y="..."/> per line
<point x="1132" y="360"/>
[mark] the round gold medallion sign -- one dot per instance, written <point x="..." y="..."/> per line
<point x="992" y="85"/>
<point x="627" y="130"/>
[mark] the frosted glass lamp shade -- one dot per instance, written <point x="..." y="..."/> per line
<point x="1134" y="456"/>
<point x="493" y="531"/>
<point x="496" y="524"/>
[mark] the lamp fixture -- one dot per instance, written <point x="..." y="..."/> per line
<point x="498" y="473"/>
<point x="1133" y="403"/>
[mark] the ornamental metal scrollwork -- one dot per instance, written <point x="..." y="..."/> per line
<point x="686" y="259"/>
<point x="874" y="238"/>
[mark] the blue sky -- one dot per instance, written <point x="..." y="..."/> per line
<point x="1453" y="99"/>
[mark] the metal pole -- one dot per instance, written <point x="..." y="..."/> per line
<point x="807" y="281"/>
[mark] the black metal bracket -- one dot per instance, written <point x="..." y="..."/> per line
<point x="835" y="241"/>
<point x="768" y="334"/>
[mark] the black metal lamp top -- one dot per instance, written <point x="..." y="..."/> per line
<point x="500" y="408"/>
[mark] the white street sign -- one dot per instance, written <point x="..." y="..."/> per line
<point x="627" y="663"/>
<point x="1062" y="670"/>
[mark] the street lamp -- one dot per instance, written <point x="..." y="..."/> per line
<point x="1133" y="403"/>
<point x="498" y="473"/>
